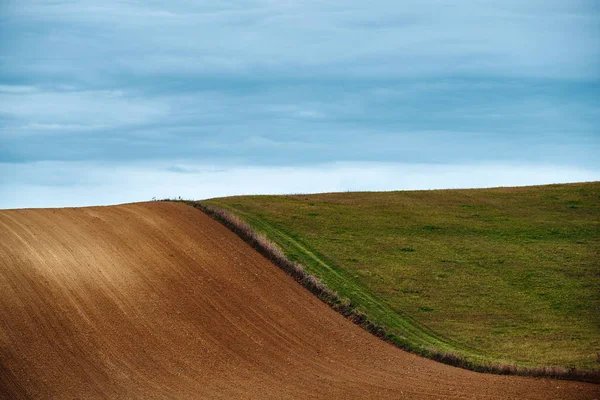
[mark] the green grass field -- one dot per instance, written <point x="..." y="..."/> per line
<point x="507" y="275"/>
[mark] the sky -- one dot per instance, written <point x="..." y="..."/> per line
<point x="106" y="102"/>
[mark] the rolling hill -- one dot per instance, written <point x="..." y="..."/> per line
<point x="158" y="301"/>
<point x="505" y="276"/>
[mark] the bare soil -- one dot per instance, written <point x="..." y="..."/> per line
<point x="158" y="301"/>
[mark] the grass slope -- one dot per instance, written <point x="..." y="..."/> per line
<point x="507" y="275"/>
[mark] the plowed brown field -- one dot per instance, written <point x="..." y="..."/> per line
<point x="157" y="300"/>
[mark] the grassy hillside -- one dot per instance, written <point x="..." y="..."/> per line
<point x="507" y="275"/>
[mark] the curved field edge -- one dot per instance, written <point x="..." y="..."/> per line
<point x="407" y="335"/>
<point x="510" y="273"/>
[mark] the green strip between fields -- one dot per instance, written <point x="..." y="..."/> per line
<point x="416" y="336"/>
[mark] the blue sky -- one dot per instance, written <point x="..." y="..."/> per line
<point x="104" y="102"/>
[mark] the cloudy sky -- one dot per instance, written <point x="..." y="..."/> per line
<point x="105" y="101"/>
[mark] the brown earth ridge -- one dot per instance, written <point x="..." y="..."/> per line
<point x="159" y="301"/>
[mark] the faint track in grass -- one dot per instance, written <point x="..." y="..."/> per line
<point x="403" y="326"/>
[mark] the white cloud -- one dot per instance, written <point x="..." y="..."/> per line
<point x="550" y="38"/>
<point x="294" y="82"/>
<point x="42" y="110"/>
<point x="17" y="89"/>
<point x="51" y="184"/>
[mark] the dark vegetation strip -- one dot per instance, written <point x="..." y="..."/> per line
<point x="349" y="310"/>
